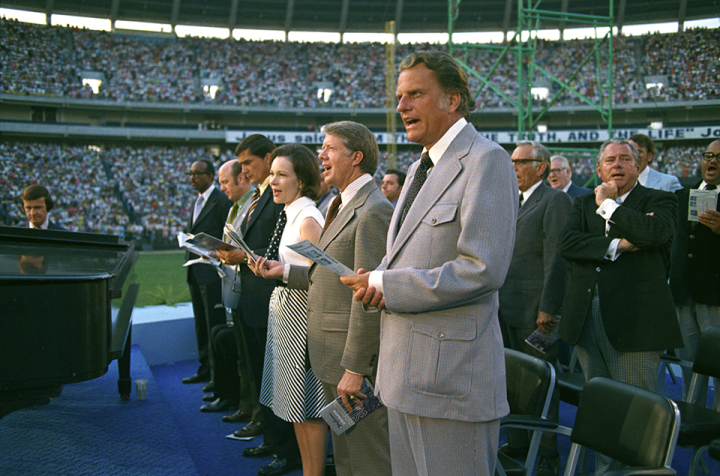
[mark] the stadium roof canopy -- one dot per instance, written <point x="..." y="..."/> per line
<point x="411" y="16"/>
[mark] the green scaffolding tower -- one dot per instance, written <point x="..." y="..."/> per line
<point x="524" y="45"/>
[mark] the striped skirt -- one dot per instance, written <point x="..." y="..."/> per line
<point x="289" y="386"/>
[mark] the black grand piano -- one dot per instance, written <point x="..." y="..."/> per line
<point x="57" y="325"/>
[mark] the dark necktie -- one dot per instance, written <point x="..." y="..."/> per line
<point x="710" y="187"/>
<point x="273" y="248"/>
<point x="332" y="211"/>
<point x="253" y="203"/>
<point x="417" y="183"/>
<point x="521" y="199"/>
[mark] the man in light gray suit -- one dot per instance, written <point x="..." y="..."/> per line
<point x="441" y="371"/>
<point x="343" y="338"/>
<point x="533" y="291"/>
<point x="650" y="177"/>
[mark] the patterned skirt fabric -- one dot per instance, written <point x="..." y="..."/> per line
<point x="291" y="390"/>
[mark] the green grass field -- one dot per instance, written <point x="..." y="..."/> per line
<point x="162" y="279"/>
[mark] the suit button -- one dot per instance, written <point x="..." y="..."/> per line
<point x="589" y="291"/>
<point x="692" y="237"/>
<point x="441" y="335"/>
<point x="597" y="269"/>
<point x="690" y="255"/>
<point x="433" y="221"/>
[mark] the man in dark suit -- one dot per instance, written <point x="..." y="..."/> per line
<point x="392" y="184"/>
<point x="560" y="177"/>
<point x="618" y="309"/>
<point x="207" y="216"/>
<point x="441" y="369"/>
<point x="695" y="270"/>
<point x="535" y="284"/>
<point x="37" y="203"/>
<point x="255" y="155"/>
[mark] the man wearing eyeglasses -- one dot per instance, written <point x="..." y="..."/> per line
<point x="695" y="270"/>
<point x="207" y="215"/>
<point x="561" y="177"/>
<point x="535" y="283"/>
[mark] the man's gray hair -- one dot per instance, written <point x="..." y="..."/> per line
<point x="561" y="159"/>
<point x="619" y="141"/>
<point x="539" y="153"/>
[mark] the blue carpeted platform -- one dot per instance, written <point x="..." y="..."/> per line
<point x="88" y="430"/>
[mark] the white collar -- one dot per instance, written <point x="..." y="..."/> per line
<point x="437" y="150"/>
<point x="528" y="192"/>
<point x="352" y="189"/>
<point x="294" y="209"/>
<point x="643" y="177"/>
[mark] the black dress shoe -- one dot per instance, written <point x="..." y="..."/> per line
<point x="548" y="466"/>
<point x="197" y="378"/>
<point x="260" y="451"/>
<point x="210" y="397"/>
<point x="251" y="430"/>
<point x="237" y="417"/>
<point x="280" y="466"/>
<point x="210" y="387"/>
<point x="219" y="405"/>
<point x="514" y="453"/>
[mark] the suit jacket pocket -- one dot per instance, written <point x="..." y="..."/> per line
<point x="441" y="358"/>
<point x="441" y="213"/>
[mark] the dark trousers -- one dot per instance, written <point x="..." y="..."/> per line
<point x="204" y="299"/>
<point x="278" y="432"/>
<point x="225" y="355"/>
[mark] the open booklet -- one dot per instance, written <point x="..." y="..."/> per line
<point x="235" y="236"/>
<point x="701" y="200"/>
<point x="315" y="254"/>
<point x="340" y="420"/>
<point x="199" y="246"/>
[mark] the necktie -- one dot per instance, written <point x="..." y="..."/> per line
<point x="332" y="211"/>
<point x="274" y="247"/>
<point x="253" y="203"/>
<point x="232" y="217"/>
<point x="710" y="187"/>
<point x="417" y="183"/>
<point x="198" y="207"/>
<point x="521" y="199"/>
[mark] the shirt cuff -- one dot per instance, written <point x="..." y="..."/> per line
<point x="607" y="208"/>
<point x="612" y="251"/>
<point x="375" y="280"/>
<point x="286" y="273"/>
<point x="351" y="372"/>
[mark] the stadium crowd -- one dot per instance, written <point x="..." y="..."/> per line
<point x="143" y="193"/>
<point x="48" y="60"/>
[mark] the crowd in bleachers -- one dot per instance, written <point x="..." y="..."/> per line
<point x="143" y="192"/>
<point x="36" y="59"/>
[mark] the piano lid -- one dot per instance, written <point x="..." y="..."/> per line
<point x="39" y="255"/>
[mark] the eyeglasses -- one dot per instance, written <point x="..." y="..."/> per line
<point x="709" y="156"/>
<point x="556" y="171"/>
<point x="195" y="174"/>
<point x="524" y="161"/>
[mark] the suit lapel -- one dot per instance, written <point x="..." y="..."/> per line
<point x="532" y="202"/>
<point x="442" y="175"/>
<point x="264" y="198"/>
<point x="206" y="208"/>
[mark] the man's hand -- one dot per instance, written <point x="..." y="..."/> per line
<point x="268" y="269"/>
<point x="231" y="257"/>
<point x="711" y="219"/>
<point x="349" y="389"/>
<point x="547" y="322"/>
<point x="606" y="190"/>
<point x="364" y="293"/>
<point x="625" y="245"/>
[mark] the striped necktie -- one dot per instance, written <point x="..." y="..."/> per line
<point x="253" y="203"/>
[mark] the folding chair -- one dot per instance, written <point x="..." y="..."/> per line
<point x="530" y="384"/>
<point x="636" y="427"/>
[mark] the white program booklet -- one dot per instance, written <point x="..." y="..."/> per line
<point x="315" y="254"/>
<point x="701" y="200"/>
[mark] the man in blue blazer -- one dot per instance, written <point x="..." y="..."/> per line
<point x="207" y="215"/>
<point x="560" y="177"/>
<point x="648" y="176"/>
<point x="37" y="203"/>
<point x="441" y="368"/>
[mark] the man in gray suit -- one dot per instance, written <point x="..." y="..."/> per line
<point x="650" y="177"/>
<point x="343" y="338"/>
<point x="441" y="371"/>
<point x="535" y="285"/>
